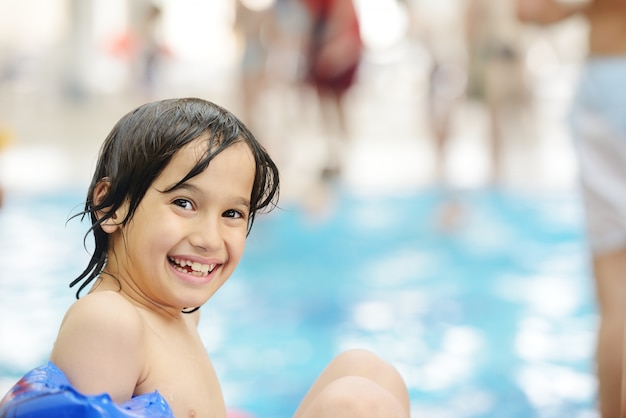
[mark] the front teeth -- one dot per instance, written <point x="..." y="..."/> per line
<point x="197" y="269"/>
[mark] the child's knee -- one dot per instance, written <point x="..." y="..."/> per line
<point x="364" y="363"/>
<point x="356" y="396"/>
<point x="362" y="359"/>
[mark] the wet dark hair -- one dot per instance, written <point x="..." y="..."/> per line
<point x="142" y="144"/>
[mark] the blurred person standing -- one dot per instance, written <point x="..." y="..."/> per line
<point x="141" y="47"/>
<point x="598" y="120"/>
<point x="496" y="73"/>
<point x="253" y="21"/>
<point x="437" y="27"/>
<point x="150" y="48"/>
<point x="285" y="72"/>
<point x="335" y="49"/>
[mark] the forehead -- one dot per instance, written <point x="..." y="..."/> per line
<point x="197" y="151"/>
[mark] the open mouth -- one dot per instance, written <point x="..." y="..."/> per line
<point x="191" y="267"/>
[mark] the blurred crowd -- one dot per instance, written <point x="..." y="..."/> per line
<point x="472" y="51"/>
<point x="311" y="62"/>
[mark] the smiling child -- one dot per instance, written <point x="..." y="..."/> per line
<point x="174" y="195"/>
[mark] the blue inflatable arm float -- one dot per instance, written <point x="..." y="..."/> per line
<point x="46" y="392"/>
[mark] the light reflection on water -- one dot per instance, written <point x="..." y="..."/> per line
<point x="38" y="257"/>
<point x="493" y="319"/>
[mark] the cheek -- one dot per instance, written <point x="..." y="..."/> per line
<point x="237" y="244"/>
<point x="153" y="237"/>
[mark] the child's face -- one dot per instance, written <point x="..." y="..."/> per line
<point x="181" y="246"/>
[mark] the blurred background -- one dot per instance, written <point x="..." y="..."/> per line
<point x="429" y="205"/>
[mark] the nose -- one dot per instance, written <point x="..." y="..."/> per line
<point x="206" y="234"/>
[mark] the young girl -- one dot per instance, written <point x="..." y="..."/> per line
<point x="175" y="192"/>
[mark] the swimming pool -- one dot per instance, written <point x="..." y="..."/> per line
<point x="493" y="319"/>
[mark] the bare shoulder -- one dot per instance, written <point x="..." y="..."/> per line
<point x="101" y="311"/>
<point x="100" y="345"/>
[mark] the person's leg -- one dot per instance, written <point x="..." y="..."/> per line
<point x="610" y="278"/>
<point x="337" y="134"/>
<point x="356" y="383"/>
<point x="494" y="112"/>
<point x="599" y="135"/>
<point x="602" y="158"/>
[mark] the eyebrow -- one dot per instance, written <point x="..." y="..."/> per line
<point x="179" y="186"/>
<point x="194" y="189"/>
<point x="243" y="202"/>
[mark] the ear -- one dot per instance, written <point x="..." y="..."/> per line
<point x="112" y="223"/>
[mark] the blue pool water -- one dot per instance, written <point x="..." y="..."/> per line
<point x="494" y="318"/>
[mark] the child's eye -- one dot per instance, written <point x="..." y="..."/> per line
<point x="183" y="203"/>
<point x="232" y="213"/>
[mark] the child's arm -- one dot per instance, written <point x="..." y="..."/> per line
<point x="99" y="346"/>
<point x="545" y="12"/>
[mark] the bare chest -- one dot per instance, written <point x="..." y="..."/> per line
<point x="180" y="369"/>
